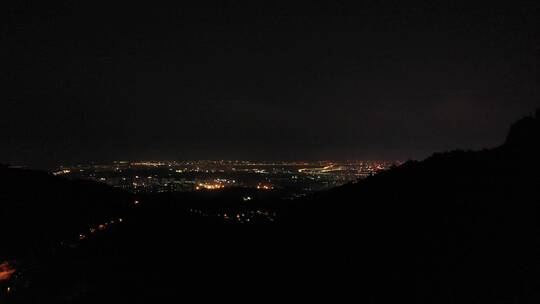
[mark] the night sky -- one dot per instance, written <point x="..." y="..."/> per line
<point x="262" y="79"/>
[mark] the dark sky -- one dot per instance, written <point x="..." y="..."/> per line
<point x="262" y="79"/>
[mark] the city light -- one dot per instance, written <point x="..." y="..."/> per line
<point x="210" y="186"/>
<point x="61" y="172"/>
<point x="299" y="177"/>
<point x="6" y="271"/>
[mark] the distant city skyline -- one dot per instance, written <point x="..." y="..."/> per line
<point x="288" y="180"/>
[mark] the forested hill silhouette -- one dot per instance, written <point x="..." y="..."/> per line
<point x="512" y="165"/>
<point x="524" y="135"/>
<point x="458" y="227"/>
<point x="38" y="209"/>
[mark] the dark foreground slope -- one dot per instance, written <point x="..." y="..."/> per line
<point x="458" y="227"/>
<point x="38" y="210"/>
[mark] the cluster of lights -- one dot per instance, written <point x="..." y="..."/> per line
<point x="209" y="186"/>
<point x="265" y="187"/>
<point x="148" y="164"/>
<point x="325" y="169"/>
<point x="323" y="174"/>
<point x="248" y="216"/>
<point x="62" y="172"/>
<point x="241" y="217"/>
<point x="100" y="227"/>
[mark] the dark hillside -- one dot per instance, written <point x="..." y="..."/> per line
<point x="460" y="226"/>
<point x="37" y="208"/>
